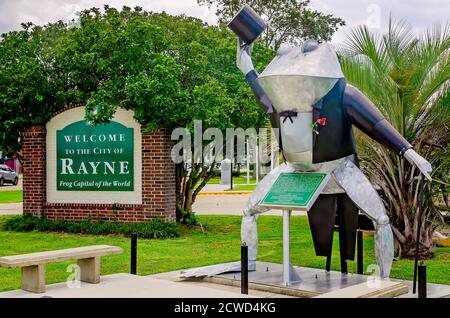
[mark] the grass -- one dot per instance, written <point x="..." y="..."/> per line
<point x="243" y="187"/>
<point x="220" y="243"/>
<point x="11" y="196"/>
<point x="236" y="180"/>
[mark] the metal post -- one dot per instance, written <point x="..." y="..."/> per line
<point x="231" y="176"/>
<point x="257" y="164"/>
<point x="419" y="223"/>
<point x="359" y="241"/>
<point x="272" y="159"/>
<point x="422" y="271"/>
<point x="248" y="162"/>
<point x="244" y="269"/>
<point x="133" y="263"/>
<point x="286" y="247"/>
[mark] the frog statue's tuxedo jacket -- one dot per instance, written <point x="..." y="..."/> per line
<point x="343" y="106"/>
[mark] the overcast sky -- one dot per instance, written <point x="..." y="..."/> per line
<point x="375" y="13"/>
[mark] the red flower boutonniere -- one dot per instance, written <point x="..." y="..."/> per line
<point x="321" y="121"/>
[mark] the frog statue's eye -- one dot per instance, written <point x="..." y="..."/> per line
<point x="284" y="49"/>
<point x="309" y="45"/>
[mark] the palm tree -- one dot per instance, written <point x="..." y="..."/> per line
<point x="407" y="78"/>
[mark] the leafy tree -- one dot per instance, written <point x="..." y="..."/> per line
<point x="289" y="20"/>
<point x="407" y="78"/>
<point x="170" y="70"/>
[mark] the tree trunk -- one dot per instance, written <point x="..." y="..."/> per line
<point x="188" y="202"/>
<point x="188" y="185"/>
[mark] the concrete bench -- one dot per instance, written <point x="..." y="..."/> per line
<point x="33" y="265"/>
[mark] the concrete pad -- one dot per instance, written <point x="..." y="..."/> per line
<point x="378" y="289"/>
<point x="128" y="286"/>
<point x="433" y="290"/>
<point x="268" y="277"/>
<point x="175" y="277"/>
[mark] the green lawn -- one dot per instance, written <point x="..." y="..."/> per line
<point x="243" y="187"/>
<point x="221" y="243"/>
<point x="12" y="196"/>
<point x="236" y="180"/>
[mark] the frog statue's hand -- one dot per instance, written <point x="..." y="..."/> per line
<point x="421" y="163"/>
<point x="243" y="59"/>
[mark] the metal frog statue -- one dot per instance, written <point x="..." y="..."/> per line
<point x="304" y="91"/>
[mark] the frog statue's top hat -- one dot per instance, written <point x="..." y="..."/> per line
<point x="247" y="25"/>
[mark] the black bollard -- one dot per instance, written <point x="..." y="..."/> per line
<point x="133" y="259"/>
<point x="244" y="269"/>
<point x="359" y="241"/>
<point x="422" y="273"/>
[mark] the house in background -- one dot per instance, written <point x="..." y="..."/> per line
<point x="11" y="162"/>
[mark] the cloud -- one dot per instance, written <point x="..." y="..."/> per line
<point x="419" y="13"/>
<point x="14" y="12"/>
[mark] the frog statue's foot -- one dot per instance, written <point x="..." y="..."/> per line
<point x="249" y="235"/>
<point x="216" y="269"/>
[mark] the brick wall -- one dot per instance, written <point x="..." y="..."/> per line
<point x="33" y="152"/>
<point x="158" y="184"/>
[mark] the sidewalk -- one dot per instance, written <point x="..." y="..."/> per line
<point x="129" y="286"/>
<point x="11" y="208"/>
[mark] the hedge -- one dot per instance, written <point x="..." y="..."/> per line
<point x="157" y="229"/>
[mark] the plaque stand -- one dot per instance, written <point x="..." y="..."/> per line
<point x="290" y="276"/>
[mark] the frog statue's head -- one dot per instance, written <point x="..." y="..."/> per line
<point x="300" y="76"/>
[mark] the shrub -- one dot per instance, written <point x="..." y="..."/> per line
<point x="156" y="229"/>
<point x="186" y="217"/>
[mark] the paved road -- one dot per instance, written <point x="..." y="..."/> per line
<point x="205" y="204"/>
<point x="9" y="187"/>
<point x="226" y="205"/>
<point x="10" y="208"/>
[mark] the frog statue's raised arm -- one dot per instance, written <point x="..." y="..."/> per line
<point x="305" y="84"/>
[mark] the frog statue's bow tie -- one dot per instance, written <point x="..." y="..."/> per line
<point x="288" y="114"/>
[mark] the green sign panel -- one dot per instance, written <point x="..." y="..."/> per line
<point x="95" y="158"/>
<point x="295" y="191"/>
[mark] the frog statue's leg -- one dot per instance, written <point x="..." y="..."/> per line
<point x="249" y="229"/>
<point x="360" y="191"/>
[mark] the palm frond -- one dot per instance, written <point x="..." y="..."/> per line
<point x="408" y="80"/>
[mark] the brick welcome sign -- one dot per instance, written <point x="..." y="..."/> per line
<point x="95" y="157"/>
<point x="73" y="169"/>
